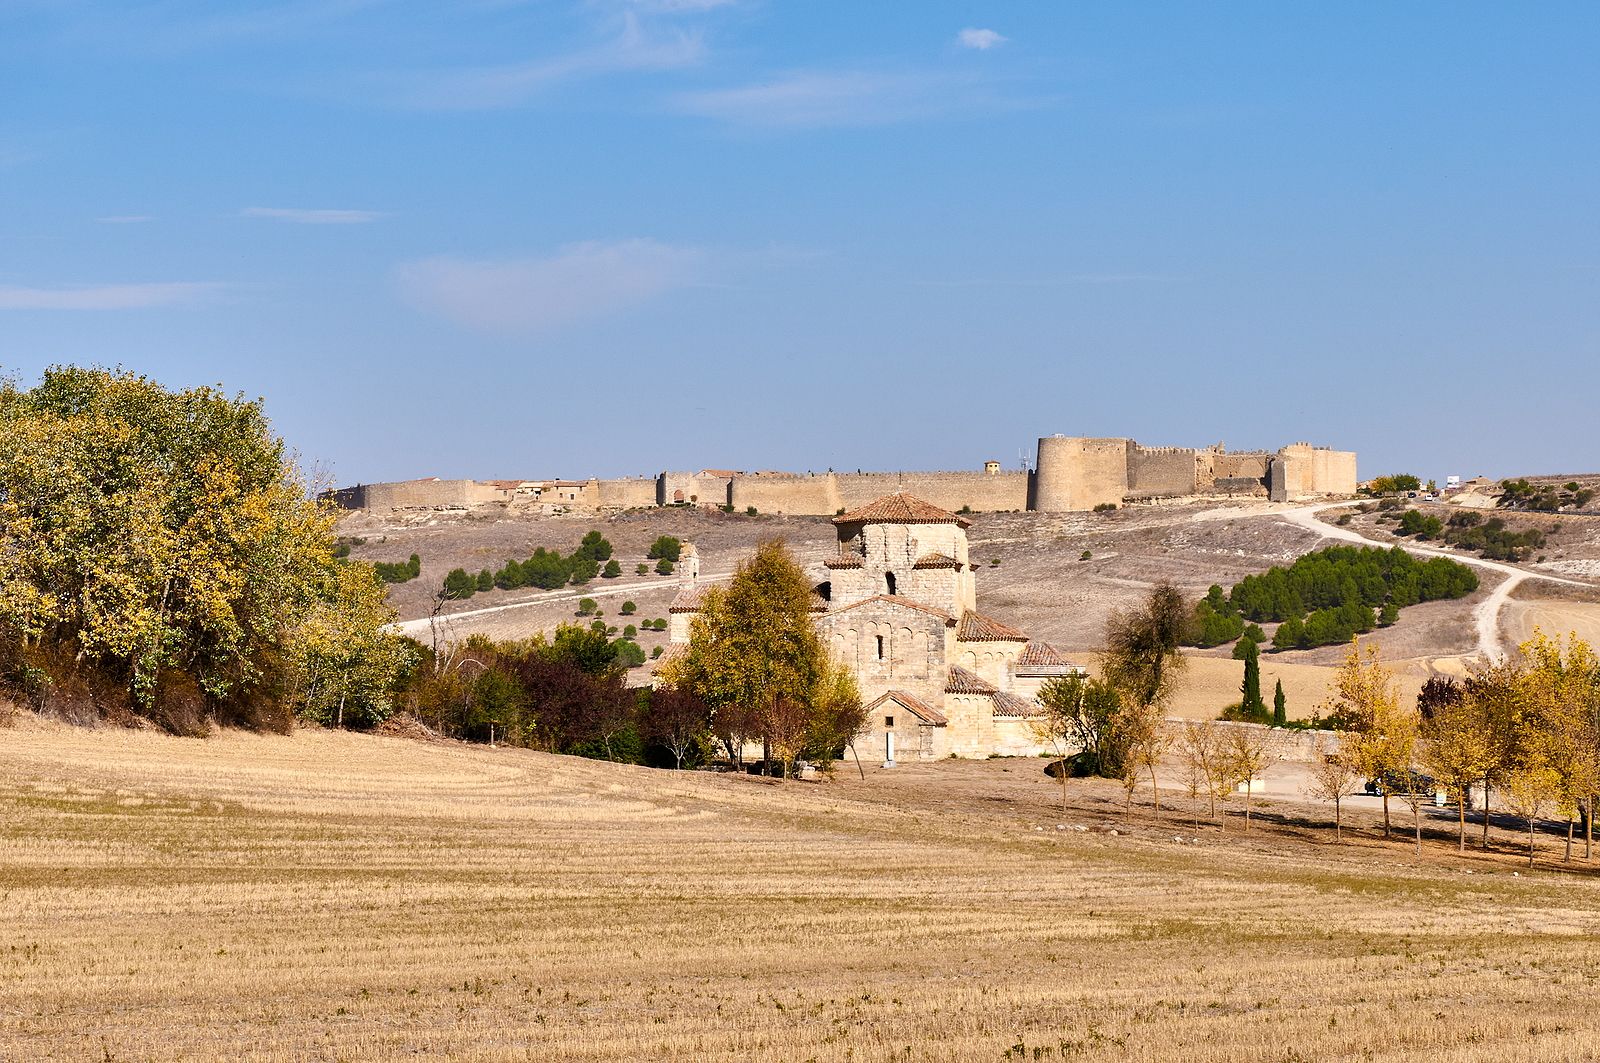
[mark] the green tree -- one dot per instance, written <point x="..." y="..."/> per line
<point x="595" y="547"/>
<point x="586" y="606"/>
<point x="157" y="542"/>
<point x="1280" y="706"/>
<point x="1251" y="706"/>
<point x="666" y="547"/>
<point x="754" y="647"/>
<point x="611" y="571"/>
<point x="664" y="567"/>
<point x="486" y="580"/>
<point x="458" y="584"/>
<point x="629" y="608"/>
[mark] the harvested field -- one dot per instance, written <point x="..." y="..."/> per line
<point x="337" y="897"/>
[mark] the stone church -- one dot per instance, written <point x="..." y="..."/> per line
<point x="899" y="605"/>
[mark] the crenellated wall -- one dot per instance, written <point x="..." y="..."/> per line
<point x="1071" y="473"/>
<point x="1160" y="472"/>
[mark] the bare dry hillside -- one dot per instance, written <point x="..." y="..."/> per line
<point x="338" y="897"/>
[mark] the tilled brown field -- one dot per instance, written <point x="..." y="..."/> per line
<point x="340" y="897"/>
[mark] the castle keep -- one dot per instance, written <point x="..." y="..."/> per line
<point x="1070" y="473"/>
<point x="898" y="604"/>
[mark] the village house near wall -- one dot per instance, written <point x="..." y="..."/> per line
<point x="1069" y="473"/>
<point x="899" y="605"/>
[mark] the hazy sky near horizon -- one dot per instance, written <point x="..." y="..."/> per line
<point x="606" y="237"/>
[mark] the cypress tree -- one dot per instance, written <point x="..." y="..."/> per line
<point x="1250" y="704"/>
<point x="1280" y="711"/>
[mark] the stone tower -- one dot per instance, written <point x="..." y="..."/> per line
<point x="903" y="547"/>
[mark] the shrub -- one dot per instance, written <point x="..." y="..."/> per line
<point x="394" y="571"/>
<point x="750" y="511"/>
<point x="630" y="632"/>
<point x="642" y="569"/>
<point x="598" y="625"/>
<point x="628" y="608"/>
<point x="459" y="585"/>
<point x="655" y="653"/>
<point x="1086" y="555"/>
<point x="1397" y="483"/>
<point x="611" y="571"/>
<point x="584" y="569"/>
<point x="665" y="548"/>
<point x="586" y="606"/>
<point x="664" y="567"/>
<point x="629" y="654"/>
<point x="486" y="580"/>
<point x="1105" y="507"/>
<point x="594" y="546"/>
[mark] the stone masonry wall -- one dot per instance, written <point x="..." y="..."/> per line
<point x="1160" y="472"/>
<point x="1078" y="474"/>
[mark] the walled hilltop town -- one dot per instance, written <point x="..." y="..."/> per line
<point x="1069" y="473"/>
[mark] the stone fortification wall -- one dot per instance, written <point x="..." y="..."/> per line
<point x="983" y="492"/>
<point x="1245" y="464"/>
<point x="417" y="494"/>
<point x="1310" y="470"/>
<point x="633" y="492"/>
<point x="1160" y="472"/>
<point x="781" y="493"/>
<point x="692" y="488"/>
<point x="824" y="494"/>
<point x="1074" y="473"/>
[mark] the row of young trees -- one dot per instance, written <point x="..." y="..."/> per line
<point x="1523" y="732"/>
<point x="161" y="556"/>
<point x="1525" y="729"/>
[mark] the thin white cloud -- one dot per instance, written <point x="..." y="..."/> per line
<point x="580" y="281"/>
<point x="817" y="98"/>
<point x="123" y="219"/>
<point x="981" y="39"/>
<point x="104" y="296"/>
<point x="634" y="49"/>
<point x="312" y="217"/>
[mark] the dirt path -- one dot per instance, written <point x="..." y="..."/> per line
<point x="609" y="590"/>
<point x="1486" y="616"/>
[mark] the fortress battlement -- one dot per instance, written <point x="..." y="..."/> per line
<point x="1070" y="473"/>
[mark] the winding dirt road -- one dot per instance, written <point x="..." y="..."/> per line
<point x="1486" y="616"/>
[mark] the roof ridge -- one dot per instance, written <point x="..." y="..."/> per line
<point x="901" y="507"/>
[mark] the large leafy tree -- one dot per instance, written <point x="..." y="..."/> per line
<point x="754" y="649"/>
<point x="155" y="540"/>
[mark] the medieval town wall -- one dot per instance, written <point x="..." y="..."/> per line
<point x="778" y="493"/>
<point x="1073" y="473"/>
<point x="1160" y="472"/>
<point x="632" y="492"/>
<point x="997" y="492"/>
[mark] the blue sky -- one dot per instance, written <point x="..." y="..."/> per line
<point x="608" y="237"/>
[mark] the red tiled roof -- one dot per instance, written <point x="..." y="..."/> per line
<point x="900" y="508"/>
<point x="1011" y="705"/>
<point x="845" y="561"/>
<point x="962" y="681"/>
<point x="819" y="604"/>
<point x="897" y="600"/>
<point x="688" y="598"/>
<point x="975" y="627"/>
<point x="936" y="561"/>
<point x="1038" y="654"/>
<point x="915" y="705"/>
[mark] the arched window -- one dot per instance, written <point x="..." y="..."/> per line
<point x="880" y="647"/>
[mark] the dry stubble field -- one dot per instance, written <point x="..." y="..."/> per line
<point x="333" y="896"/>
